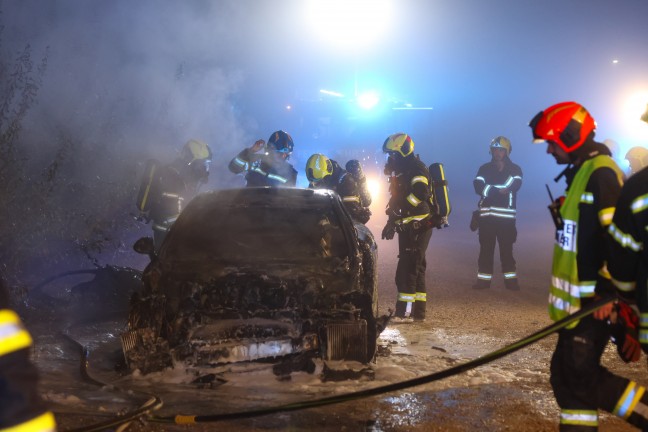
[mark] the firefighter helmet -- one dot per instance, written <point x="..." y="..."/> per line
<point x="280" y="142"/>
<point x="502" y="142"/>
<point x="196" y="150"/>
<point x="567" y="124"/>
<point x="318" y="167"/>
<point x="637" y="157"/>
<point x="399" y="143"/>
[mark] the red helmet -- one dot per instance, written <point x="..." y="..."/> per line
<point x="568" y="124"/>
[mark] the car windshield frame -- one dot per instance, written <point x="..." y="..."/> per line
<point x="248" y="227"/>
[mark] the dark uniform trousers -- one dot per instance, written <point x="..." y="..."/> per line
<point x="410" y="271"/>
<point x="582" y="386"/>
<point x="502" y="231"/>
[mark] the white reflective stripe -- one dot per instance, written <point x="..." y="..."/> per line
<point x="585" y="289"/>
<point x="517" y="177"/>
<point x="159" y="227"/>
<point x="412" y="218"/>
<point x="351" y="198"/>
<point x="420" y="296"/>
<point x="625" y="240"/>
<point x="624" y="286"/>
<point x="606" y="215"/>
<point x="241" y="162"/>
<point x="406" y="297"/>
<point x="484" y="276"/>
<point x="643" y="336"/>
<point x="578" y="417"/>
<point x="510" y="275"/>
<point x="278" y="178"/>
<point x="587" y="197"/>
<point x="171" y="195"/>
<point x="639" y="204"/>
<point x="485" y="191"/>
<point x="496" y="214"/>
<point x="562" y="305"/>
<point x="509" y="182"/>
<point x="419" y="179"/>
<point x="627" y="402"/>
<point x="258" y="170"/>
<point x="411" y="198"/>
<point x="499" y="209"/>
<point x="480" y="178"/>
<point x="643" y="319"/>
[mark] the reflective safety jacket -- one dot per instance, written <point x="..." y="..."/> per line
<point x="168" y="194"/>
<point x="579" y="252"/>
<point x="21" y="408"/>
<point x="490" y="181"/>
<point x="345" y="185"/>
<point x="263" y="170"/>
<point x="628" y="239"/>
<point x="410" y="192"/>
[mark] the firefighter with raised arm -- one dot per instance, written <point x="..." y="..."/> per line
<point x="497" y="183"/>
<point x="580" y="383"/>
<point x="408" y="212"/>
<point x="21" y="407"/>
<point x="167" y="189"/>
<point x="325" y="173"/>
<point x="354" y="168"/>
<point x="267" y="164"/>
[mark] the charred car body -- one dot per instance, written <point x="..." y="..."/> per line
<point x="257" y="273"/>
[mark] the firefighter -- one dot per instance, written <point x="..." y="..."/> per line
<point x="354" y="168"/>
<point x="580" y="383"/>
<point x="325" y="173"/>
<point x="628" y="254"/>
<point x="173" y="185"/>
<point x="21" y="407"/>
<point x="637" y="158"/>
<point x="497" y="183"/>
<point x="270" y="168"/>
<point x="408" y="212"/>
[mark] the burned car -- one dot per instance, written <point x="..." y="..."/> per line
<point x="257" y="273"/>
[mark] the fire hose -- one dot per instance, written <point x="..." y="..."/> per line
<point x="455" y="370"/>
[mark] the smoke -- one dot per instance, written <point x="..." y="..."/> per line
<point x="125" y="82"/>
<point x="131" y="80"/>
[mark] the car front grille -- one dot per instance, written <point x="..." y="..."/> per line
<point x="347" y="341"/>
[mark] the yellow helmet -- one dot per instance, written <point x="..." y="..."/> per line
<point x="400" y="143"/>
<point x="318" y="167"/>
<point x="195" y="150"/>
<point x="502" y="142"/>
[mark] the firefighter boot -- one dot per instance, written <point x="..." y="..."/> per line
<point x="418" y="311"/>
<point x="512" y="284"/>
<point x="632" y="410"/>
<point x="401" y="309"/>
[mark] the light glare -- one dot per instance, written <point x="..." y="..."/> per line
<point x="350" y="24"/>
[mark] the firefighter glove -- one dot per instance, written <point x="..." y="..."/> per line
<point x="389" y="230"/>
<point x="624" y="323"/>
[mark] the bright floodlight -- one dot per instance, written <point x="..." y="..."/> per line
<point x="368" y="100"/>
<point x="635" y="105"/>
<point x="349" y="24"/>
